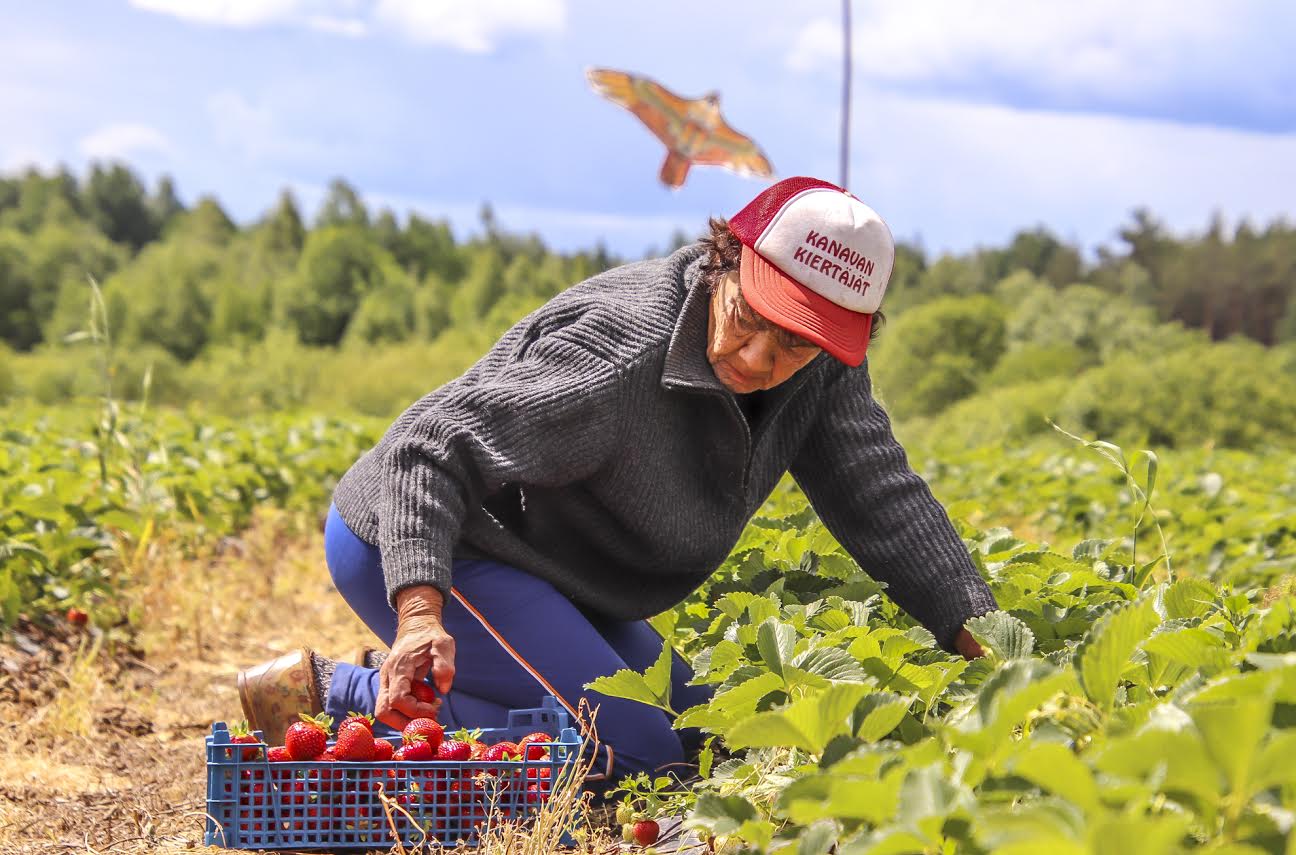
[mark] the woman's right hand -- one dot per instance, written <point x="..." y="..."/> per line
<point x="421" y="645"/>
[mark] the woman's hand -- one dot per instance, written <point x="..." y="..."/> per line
<point x="422" y="644"/>
<point x="965" y="644"/>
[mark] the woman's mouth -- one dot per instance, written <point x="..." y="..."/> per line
<point x="736" y="377"/>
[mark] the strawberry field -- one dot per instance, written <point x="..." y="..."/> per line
<point x="1139" y="692"/>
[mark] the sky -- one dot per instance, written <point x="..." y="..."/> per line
<point x="969" y="120"/>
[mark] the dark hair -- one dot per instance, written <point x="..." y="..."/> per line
<point x="724" y="251"/>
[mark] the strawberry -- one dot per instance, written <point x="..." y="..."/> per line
<point x="307" y="739"/>
<point x="382" y="750"/>
<point x="77" y="617"/>
<point x="417" y="748"/>
<point x="355" y="742"/>
<point x="428" y="729"/>
<point x="454" y="749"/>
<point x="645" y="832"/>
<point x="477" y="750"/>
<point x="502" y="751"/>
<point x="398" y="755"/>
<point x="360" y="718"/>
<point x="241" y="734"/>
<point x="278" y="754"/>
<point x="422" y="692"/>
<point x="534" y="752"/>
<point x="329" y="756"/>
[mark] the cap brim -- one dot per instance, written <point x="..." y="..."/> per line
<point x="791" y="305"/>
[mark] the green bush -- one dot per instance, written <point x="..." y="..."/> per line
<point x="1237" y="394"/>
<point x="1037" y="362"/>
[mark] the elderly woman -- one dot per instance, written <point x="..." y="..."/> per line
<point x="513" y="529"/>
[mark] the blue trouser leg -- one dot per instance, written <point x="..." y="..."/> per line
<point x="565" y="646"/>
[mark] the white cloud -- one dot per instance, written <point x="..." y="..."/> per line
<point x="973" y="174"/>
<point x="229" y="13"/>
<point x="472" y="27"/>
<point x="1106" y="50"/>
<point x="123" y="141"/>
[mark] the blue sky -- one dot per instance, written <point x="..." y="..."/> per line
<point x="970" y="120"/>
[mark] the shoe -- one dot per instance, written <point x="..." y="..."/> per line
<point x="275" y="692"/>
<point x="370" y="657"/>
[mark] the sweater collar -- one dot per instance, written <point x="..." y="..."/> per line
<point x="686" y="365"/>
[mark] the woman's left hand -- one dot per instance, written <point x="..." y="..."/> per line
<point x="966" y="645"/>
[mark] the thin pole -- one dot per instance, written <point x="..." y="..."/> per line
<point x="846" y="82"/>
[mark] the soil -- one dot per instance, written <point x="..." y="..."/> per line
<point x="101" y="740"/>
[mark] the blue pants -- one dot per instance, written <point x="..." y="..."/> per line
<point x="567" y="646"/>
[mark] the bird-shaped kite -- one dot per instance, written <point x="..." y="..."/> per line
<point x="692" y="129"/>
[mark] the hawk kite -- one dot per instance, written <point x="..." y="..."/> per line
<point x="691" y="129"/>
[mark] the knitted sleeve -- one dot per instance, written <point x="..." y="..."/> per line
<point x="546" y="417"/>
<point x="858" y="479"/>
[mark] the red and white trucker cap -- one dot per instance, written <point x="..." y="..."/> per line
<point x="815" y="261"/>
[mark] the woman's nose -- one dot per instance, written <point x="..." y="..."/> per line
<point x="759" y="356"/>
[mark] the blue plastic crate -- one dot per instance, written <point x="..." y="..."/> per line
<point x="329" y="805"/>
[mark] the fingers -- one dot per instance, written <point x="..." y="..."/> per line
<point x="412" y="708"/>
<point x="443" y="665"/>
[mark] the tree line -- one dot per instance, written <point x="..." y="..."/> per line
<point x="184" y="278"/>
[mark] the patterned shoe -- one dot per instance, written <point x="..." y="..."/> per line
<point x="370" y="657"/>
<point x="275" y="692"/>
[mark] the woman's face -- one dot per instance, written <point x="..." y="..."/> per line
<point x="747" y="352"/>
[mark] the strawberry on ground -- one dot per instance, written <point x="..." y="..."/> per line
<point x="307" y="739"/>
<point x="645" y="832"/>
<point x="426" y="728"/>
<point x="355" y="742"/>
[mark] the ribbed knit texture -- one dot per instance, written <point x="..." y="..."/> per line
<point x="594" y="447"/>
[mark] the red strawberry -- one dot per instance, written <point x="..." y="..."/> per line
<point x="645" y="832"/>
<point x="278" y="754"/>
<point x="477" y="750"/>
<point x="422" y="692"/>
<point x="426" y="728"/>
<point x="77" y="617"/>
<point x="355" y="742"/>
<point x="360" y="718"/>
<point x="307" y="739"/>
<point x="417" y="748"/>
<point x="534" y="752"/>
<point x="329" y="756"/>
<point x="502" y="751"/>
<point x="398" y="755"/>
<point x="382" y="750"/>
<point x="240" y="734"/>
<point x="453" y="749"/>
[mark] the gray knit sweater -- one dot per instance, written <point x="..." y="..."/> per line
<point x="594" y="447"/>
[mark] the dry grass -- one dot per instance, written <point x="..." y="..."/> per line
<point x="102" y="750"/>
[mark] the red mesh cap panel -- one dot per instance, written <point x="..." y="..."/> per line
<point x="748" y="223"/>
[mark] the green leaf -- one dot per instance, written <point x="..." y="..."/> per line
<point x="730" y="705"/>
<point x="1003" y="635"/>
<point x="879" y="714"/>
<point x="1188" y="598"/>
<point x="1107" y="648"/>
<point x="809" y="723"/>
<point x="1194" y="647"/>
<point x="775" y="641"/>
<point x="818" y="839"/>
<point x="652" y="687"/>
<point x="1232" y="730"/>
<point x="1054" y="768"/>
<point x="720" y="814"/>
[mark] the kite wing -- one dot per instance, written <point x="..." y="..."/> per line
<point x="726" y="147"/>
<point x="657" y="107"/>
